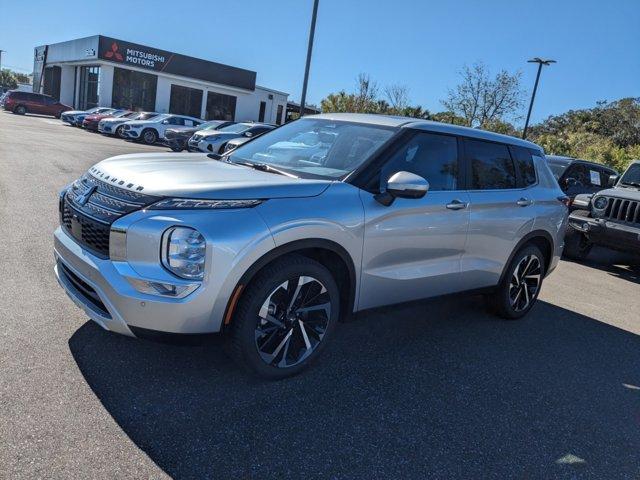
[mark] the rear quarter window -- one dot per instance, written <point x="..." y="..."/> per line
<point x="524" y="164"/>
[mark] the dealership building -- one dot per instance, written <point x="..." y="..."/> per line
<point x="103" y="71"/>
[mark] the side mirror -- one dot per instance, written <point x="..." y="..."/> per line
<point x="165" y="122"/>
<point x="613" y="179"/>
<point x="248" y="134"/>
<point x="403" y="185"/>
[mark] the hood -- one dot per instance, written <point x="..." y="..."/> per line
<point x="116" y="120"/>
<point x="143" y="122"/>
<point x="96" y="117"/>
<point x="621" y="192"/>
<point x="194" y="175"/>
<point x="73" y="112"/>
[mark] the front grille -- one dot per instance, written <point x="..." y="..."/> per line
<point x="622" y="210"/>
<point x="90" y="206"/>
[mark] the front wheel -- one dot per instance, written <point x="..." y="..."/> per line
<point x="519" y="289"/>
<point x="20" y="110"/>
<point x="149" y="137"/>
<point x="120" y="131"/>
<point x="285" y="317"/>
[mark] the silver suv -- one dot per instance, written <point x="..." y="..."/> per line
<point x="273" y="249"/>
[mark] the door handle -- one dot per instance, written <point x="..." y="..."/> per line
<point x="457" y="205"/>
<point x="524" y="202"/>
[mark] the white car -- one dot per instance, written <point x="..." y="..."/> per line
<point x="152" y="130"/>
<point x="114" y="126"/>
<point x="215" y="141"/>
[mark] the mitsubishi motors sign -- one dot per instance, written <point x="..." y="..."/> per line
<point x="141" y="56"/>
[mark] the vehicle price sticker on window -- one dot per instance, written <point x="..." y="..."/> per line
<point x="595" y="177"/>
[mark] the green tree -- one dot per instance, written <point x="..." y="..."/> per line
<point x="8" y="79"/>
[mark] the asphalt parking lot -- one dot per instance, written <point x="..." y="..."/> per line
<point x="435" y="389"/>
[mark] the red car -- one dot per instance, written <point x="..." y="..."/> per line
<point x="27" y="102"/>
<point x="91" y="122"/>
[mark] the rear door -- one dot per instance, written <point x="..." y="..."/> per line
<point x="501" y="211"/>
<point x="413" y="247"/>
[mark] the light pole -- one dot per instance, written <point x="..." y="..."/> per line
<point x="540" y="63"/>
<point x="1" y="51"/>
<point x="312" y="31"/>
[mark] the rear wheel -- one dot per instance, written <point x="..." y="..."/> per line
<point x="149" y="136"/>
<point x="285" y="317"/>
<point x="576" y="245"/>
<point x="20" y="110"/>
<point x="519" y="289"/>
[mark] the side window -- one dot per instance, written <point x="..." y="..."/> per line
<point x="430" y="155"/>
<point x="526" y="168"/>
<point x="491" y="165"/>
<point x="188" y="123"/>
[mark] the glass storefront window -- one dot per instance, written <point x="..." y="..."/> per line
<point x="134" y="90"/>
<point x="89" y="87"/>
<point x="185" y="101"/>
<point x="220" y="106"/>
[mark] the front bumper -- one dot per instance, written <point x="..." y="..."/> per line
<point x="100" y="287"/>
<point x="616" y="235"/>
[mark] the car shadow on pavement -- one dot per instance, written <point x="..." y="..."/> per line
<point x="617" y="264"/>
<point x="430" y="389"/>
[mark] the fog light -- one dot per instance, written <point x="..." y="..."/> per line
<point x="162" y="288"/>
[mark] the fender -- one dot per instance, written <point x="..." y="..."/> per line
<point x="527" y="238"/>
<point x="291" y="247"/>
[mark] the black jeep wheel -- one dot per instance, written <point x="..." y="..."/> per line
<point x="576" y="245"/>
<point x="285" y="317"/>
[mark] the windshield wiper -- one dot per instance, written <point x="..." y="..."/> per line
<point x="634" y="184"/>
<point x="263" y="167"/>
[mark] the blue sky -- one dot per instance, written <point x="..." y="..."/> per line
<point x="420" y="44"/>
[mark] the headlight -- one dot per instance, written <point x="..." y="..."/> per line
<point x="600" y="203"/>
<point x="183" y="252"/>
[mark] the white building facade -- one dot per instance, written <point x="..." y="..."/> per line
<point x="103" y="71"/>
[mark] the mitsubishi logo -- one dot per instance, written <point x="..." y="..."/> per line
<point x="84" y="198"/>
<point x="114" y="53"/>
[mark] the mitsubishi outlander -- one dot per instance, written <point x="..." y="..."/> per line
<point x="272" y="249"/>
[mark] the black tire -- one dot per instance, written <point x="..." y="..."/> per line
<point x="149" y="136"/>
<point x="176" y="148"/>
<point x="576" y="245"/>
<point x="20" y="110"/>
<point x="270" y="335"/>
<point x="119" y="132"/>
<point x="508" y="301"/>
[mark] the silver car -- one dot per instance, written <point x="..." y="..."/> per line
<point x="273" y="255"/>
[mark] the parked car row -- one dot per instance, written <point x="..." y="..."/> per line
<point x="178" y="132"/>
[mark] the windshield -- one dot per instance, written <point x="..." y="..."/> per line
<point x="236" y="128"/>
<point x="632" y="175"/>
<point x="315" y="147"/>
<point x="145" y="116"/>
<point x="212" y="125"/>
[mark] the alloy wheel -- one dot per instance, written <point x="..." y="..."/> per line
<point x="525" y="282"/>
<point x="292" y="321"/>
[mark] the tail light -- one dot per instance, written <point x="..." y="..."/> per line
<point x="566" y="201"/>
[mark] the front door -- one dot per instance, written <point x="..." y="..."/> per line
<point x="412" y="248"/>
